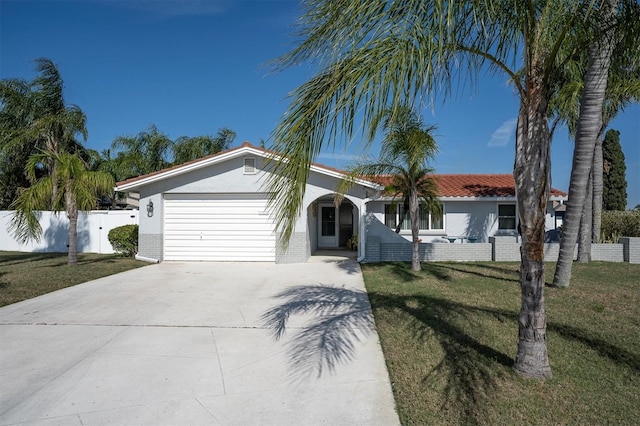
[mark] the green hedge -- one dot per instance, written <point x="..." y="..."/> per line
<point x="124" y="239"/>
<point x="617" y="224"/>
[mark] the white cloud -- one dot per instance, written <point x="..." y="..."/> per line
<point x="503" y="134"/>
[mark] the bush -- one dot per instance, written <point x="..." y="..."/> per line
<point x="617" y="224"/>
<point x="124" y="239"/>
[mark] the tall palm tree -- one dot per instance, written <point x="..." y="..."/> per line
<point x="34" y="116"/>
<point x="406" y="150"/>
<point x="588" y="130"/>
<point x="75" y="188"/>
<point x="623" y="88"/>
<point x="384" y="54"/>
<point x="190" y="148"/>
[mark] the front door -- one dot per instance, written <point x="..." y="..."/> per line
<point x="327" y="225"/>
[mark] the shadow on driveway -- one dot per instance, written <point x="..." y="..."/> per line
<point x="339" y="318"/>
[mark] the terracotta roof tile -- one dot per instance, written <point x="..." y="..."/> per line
<point x="473" y="185"/>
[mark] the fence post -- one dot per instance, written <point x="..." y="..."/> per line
<point x="631" y="249"/>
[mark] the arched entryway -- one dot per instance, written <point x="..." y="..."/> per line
<point x="331" y="226"/>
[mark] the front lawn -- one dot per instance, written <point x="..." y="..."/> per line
<point x="449" y="335"/>
<point x="27" y="275"/>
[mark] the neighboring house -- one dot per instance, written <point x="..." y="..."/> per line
<point x="216" y="209"/>
<point x="561" y="210"/>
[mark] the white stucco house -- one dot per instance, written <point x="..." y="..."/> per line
<point x="215" y="209"/>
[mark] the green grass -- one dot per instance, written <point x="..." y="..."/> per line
<point x="27" y="275"/>
<point x="449" y="335"/>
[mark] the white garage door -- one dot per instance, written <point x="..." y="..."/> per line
<point x="218" y="227"/>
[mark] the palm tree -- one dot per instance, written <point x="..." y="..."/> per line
<point x="34" y="116"/>
<point x="374" y="56"/>
<point x="623" y="88"/>
<point x="589" y="129"/>
<point x="15" y="113"/>
<point x="75" y="188"/>
<point x="146" y="152"/>
<point x="406" y="149"/>
<point x="190" y="148"/>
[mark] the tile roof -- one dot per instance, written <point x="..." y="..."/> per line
<point x="473" y="185"/>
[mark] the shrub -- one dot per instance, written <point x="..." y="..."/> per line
<point x="124" y="239"/>
<point x="617" y="224"/>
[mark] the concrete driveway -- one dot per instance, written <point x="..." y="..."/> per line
<point x="198" y="343"/>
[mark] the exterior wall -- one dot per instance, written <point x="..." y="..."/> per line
<point x="372" y="250"/>
<point x="476" y="219"/>
<point x="93" y="231"/>
<point x="374" y="228"/>
<point x="298" y="250"/>
<point x="465" y="218"/>
<point x="436" y="252"/>
<point x="607" y="252"/>
<point x="507" y="249"/>
<point x="384" y="245"/>
<point x="150" y="246"/>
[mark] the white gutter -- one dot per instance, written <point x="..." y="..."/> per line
<point x="362" y="238"/>
<point x="146" y="259"/>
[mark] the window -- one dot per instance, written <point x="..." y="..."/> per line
<point x="390" y="213"/>
<point x="328" y="220"/>
<point x="249" y="166"/>
<point x="394" y="213"/>
<point x="507" y="217"/>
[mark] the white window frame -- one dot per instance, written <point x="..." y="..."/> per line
<point x="404" y="230"/>
<point x="515" y="217"/>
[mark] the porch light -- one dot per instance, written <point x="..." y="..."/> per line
<point x="150" y="208"/>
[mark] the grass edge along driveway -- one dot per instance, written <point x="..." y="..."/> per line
<point x="27" y="275"/>
<point x="449" y="335"/>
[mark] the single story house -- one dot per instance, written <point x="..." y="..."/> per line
<point x="216" y="209"/>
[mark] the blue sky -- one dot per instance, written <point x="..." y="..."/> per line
<point x="192" y="67"/>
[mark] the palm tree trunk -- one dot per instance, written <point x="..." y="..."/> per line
<point x="52" y="146"/>
<point x="414" y="216"/>
<point x="589" y="124"/>
<point x="597" y="189"/>
<point x="405" y="212"/>
<point x="531" y="174"/>
<point x="72" y="214"/>
<point x="586" y="223"/>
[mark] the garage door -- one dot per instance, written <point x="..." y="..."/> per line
<point x="216" y="227"/>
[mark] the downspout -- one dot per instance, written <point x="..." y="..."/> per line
<point x="362" y="238"/>
<point x="146" y="259"/>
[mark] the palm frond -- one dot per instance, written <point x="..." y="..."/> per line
<point x="376" y="56"/>
<point x="24" y="224"/>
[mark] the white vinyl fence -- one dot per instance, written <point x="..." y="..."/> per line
<point x="93" y="230"/>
